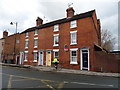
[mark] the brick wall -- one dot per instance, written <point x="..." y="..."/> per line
<point x="86" y="36"/>
<point x="10" y="47"/>
<point x="106" y="62"/>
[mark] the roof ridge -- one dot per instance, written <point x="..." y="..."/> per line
<point x="62" y="20"/>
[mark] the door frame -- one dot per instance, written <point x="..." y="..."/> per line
<point x="21" y="58"/>
<point x="17" y="60"/>
<point x="81" y="59"/>
<point x="46" y="57"/>
<point x="40" y="57"/>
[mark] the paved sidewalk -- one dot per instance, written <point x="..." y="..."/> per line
<point x="48" y="69"/>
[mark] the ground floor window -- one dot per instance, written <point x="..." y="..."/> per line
<point x="56" y="54"/>
<point x="73" y="56"/>
<point x="26" y="56"/>
<point x="35" y="56"/>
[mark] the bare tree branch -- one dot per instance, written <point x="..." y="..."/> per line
<point x="107" y="40"/>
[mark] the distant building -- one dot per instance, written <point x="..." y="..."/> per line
<point x="11" y="48"/>
<point x="2" y="41"/>
<point x="1" y="49"/>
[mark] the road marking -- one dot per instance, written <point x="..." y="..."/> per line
<point x="9" y="82"/>
<point x="49" y="86"/>
<point x="53" y="81"/>
<point x="20" y="80"/>
<point x="28" y="78"/>
<point x="93" y="84"/>
<point x="42" y="80"/>
<point x="61" y="85"/>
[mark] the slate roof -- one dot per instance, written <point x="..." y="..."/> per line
<point x="64" y="20"/>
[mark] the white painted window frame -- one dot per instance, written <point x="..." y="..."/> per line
<point x="35" y="32"/>
<point x="56" y="27"/>
<point x="25" y="43"/>
<point x="37" y="42"/>
<point x="71" y="43"/>
<point x="56" y="50"/>
<point x="26" y="34"/>
<point x="74" y="49"/>
<point x="54" y="39"/>
<point x="73" y="24"/>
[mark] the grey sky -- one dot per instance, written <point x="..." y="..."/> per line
<point x="25" y="12"/>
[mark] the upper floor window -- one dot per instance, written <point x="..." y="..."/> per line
<point x="26" y="43"/>
<point x="73" y="24"/>
<point x="56" y="27"/>
<point x="36" y="32"/>
<point x="73" y="37"/>
<point x="56" y="39"/>
<point x="2" y="44"/>
<point x="26" y="34"/>
<point x="17" y="41"/>
<point x="35" y="42"/>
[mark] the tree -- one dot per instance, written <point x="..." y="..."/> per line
<point x="107" y="40"/>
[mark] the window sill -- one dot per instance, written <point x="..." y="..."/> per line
<point x="35" y="61"/>
<point x="26" y="47"/>
<point x="73" y="63"/>
<point x="25" y="60"/>
<point x="35" y="47"/>
<point x="73" y="27"/>
<point x="55" y="45"/>
<point x="73" y="44"/>
<point x="35" y="34"/>
<point x="56" y="30"/>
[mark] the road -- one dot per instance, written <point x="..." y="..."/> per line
<point x="25" y="78"/>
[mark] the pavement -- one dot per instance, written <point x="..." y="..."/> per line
<point x="72" y="71"/>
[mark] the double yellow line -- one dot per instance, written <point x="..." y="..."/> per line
<point x="42" y="80"/>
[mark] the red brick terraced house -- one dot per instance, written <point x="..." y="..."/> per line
<point x="11" y="48"/>
<point x="71" y="39"/>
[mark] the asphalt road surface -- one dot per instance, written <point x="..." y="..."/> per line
<point x="25" y="78"/>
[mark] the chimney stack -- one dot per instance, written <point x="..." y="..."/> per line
<point x="70" y="12"/>
<point x="5" y="34"/>
<point x="39" y="21"/>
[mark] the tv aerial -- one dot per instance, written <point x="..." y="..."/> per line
<point x="70" y="4"/>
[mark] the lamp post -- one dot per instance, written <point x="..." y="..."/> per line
<point x="14" y="52"/>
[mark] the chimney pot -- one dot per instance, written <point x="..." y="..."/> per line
<point x="39" y="21"/>
<point x="70" y="12"/>
<point x="5" y="34"/>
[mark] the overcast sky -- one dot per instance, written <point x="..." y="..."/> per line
<point x="25" y="12"/>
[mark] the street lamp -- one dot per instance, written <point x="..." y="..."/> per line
<point x="12" y="23"/>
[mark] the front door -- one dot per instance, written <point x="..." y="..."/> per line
<point x="40" y="58"/>
<point x="48" y="58"/>
<point x="21" y="57"/>
<point x="17" y="59"/>
<point x="84" y="59"/>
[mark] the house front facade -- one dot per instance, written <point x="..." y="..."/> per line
<point x="2" y="43"/>
<point x="11" y="48"/>
<point x="1" y="49"/>
<point x="70" y="39"/>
